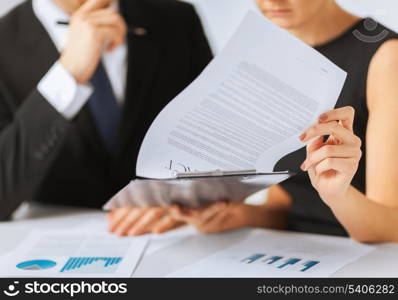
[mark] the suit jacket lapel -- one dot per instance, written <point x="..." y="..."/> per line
<point x="143" y="55"/>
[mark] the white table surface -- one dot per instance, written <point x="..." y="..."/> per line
<point x="383" y="262"/>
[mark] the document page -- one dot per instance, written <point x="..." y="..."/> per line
<point x="247" y="109"/>
<point x="77" y="253"/>
<point x="267" y="253"/>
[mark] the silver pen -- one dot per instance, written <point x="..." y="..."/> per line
<point x="220" y="173"/>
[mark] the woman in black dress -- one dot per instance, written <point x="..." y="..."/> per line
<point x="347" y="185"/>
<point x="339" y="191"/>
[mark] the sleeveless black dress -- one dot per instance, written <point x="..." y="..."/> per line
<point x="352" y="51"/>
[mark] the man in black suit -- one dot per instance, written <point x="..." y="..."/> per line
<point x="76" y="100"/>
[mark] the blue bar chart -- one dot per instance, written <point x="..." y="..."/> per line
<point x="290" y="261"/>
<point x="91" y="265"/>
<point x="280" y="262"/>
<point x="272" y="259"/>
<point x="252" y="258"/>
<point x="309" y="264"/>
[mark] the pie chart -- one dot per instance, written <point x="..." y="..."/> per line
<point x="37" y="264"/>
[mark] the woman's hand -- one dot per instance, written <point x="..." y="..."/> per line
<point x="134" y="221"/>
<point x="332" y="164"/>
<point x="219" y="217"/>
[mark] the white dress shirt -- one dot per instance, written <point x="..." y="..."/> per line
<point x="58" y="86"/>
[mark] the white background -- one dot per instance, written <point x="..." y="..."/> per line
<point x="221" y="17"/>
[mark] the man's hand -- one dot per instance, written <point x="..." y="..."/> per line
<point x="133" y="221"/>
<point x="92" y="29"/>
<point x="219" y="217"/>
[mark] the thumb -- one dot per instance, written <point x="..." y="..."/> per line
<point x="179" y="214"/>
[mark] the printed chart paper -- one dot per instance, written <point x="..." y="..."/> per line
<point x="266" y="253"/>
<point x="60" y="253"/>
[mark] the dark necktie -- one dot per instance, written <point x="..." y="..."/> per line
<point x="104" y="108"/>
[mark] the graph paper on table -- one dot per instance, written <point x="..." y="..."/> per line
<point x="267" y="253"/>
<point x="73" y="253"/>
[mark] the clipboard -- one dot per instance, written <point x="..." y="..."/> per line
<point x="196" y="188"/>
<point x="220" y="174"/>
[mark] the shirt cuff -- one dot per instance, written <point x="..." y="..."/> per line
<point x="62" y="91"/>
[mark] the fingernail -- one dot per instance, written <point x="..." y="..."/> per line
<point x="303" y="166"/>
<point x="302" y="137"/>
<point x="323" y="118"/>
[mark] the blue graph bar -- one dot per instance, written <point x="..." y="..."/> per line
<point x="308" y="265"/>
<point x="272" y="259"/>
<point x="80" y="263"/>
<point x="74" y="263"/>
<point x="85" y="261"/>
<point x="66" y="266"/>
<point x="253" y="258"/>
<point x="291" y="261"/>
<point x="108" y="262"/>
